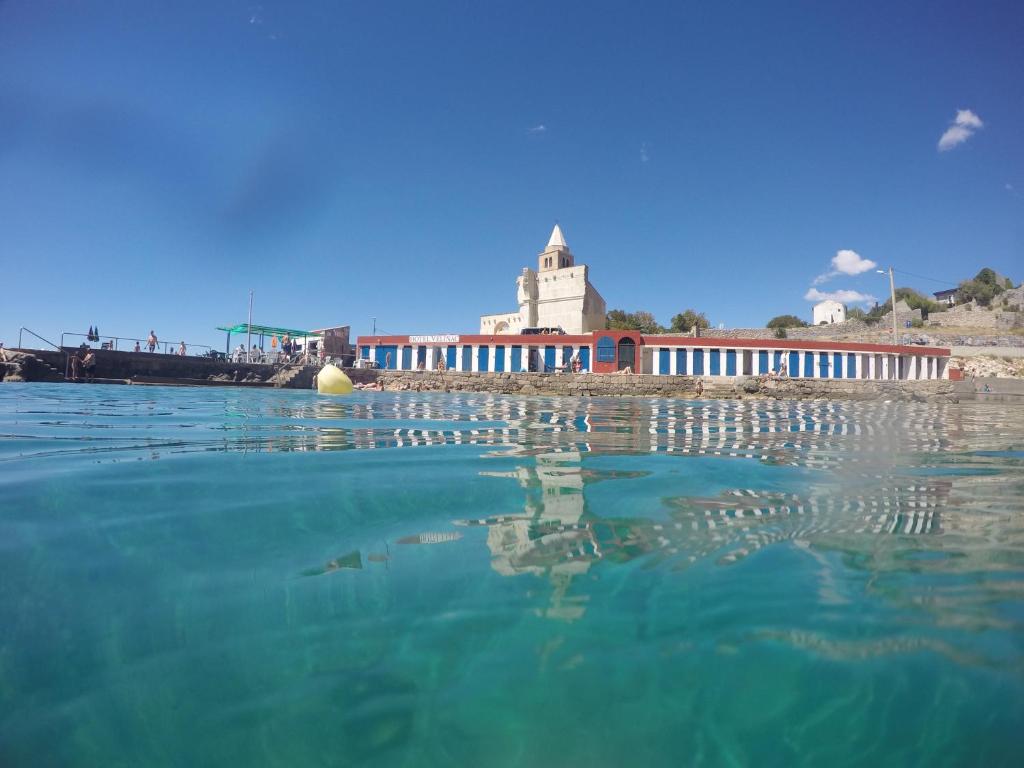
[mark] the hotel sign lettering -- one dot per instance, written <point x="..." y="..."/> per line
<point x="440" y="339"/>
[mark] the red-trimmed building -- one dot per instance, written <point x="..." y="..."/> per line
<point x="612" y="351"/>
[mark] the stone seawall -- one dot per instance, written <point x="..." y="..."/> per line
<point x="617" y="385"/>
<point x="155" y="368"/>
<point x="144" y="368"/>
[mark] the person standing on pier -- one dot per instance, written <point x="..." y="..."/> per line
<point x="152" y="342"/>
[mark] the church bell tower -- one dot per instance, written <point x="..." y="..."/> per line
<point x="557" y="254"/>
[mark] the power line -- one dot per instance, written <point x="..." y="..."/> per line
<point x="922" y="277"/>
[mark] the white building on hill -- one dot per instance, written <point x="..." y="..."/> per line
<point x="557" y="295"/>
<point x="828" y="312"/>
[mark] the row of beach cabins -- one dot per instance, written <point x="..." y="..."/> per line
<point x="632" y="352"/>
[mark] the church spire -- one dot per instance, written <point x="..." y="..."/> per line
<point x="557" y="254"/>
<point x="557" y="239"/>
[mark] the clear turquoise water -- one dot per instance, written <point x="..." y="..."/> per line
<point x="214" y="577"/>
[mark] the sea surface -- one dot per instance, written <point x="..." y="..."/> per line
<point x="236" y="577"/>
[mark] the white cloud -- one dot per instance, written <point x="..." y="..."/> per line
<point x="968" y="119"/>
<point x="846" y="262"/>
<point x="644" y="156"/>
<point x="1009" y="187"/>
<point x="960" y="130"/>
<point x="540" y="128"/>
<point x="843" y="296"/>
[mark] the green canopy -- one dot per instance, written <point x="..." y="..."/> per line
<point x="266" y="330"/>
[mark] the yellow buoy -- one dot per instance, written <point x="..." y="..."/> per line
<point x="332" y="381"/>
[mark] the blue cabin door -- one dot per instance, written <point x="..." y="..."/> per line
<point x="499" y="359"/>
<point x="823" y="365"/>
<point x="482" y="353"/>
<point x="716" y="362"/>
<point x="406" y="358"/>
<point x="681" y="362"/>
<point x="467" y="358"/>
<point x="698" y="362"/>
<point x="386" y="356"/>
<point x="730" y="362"/>
<point x="762" y="362"/>
<point x="663" y="361"/>
<point x="851" y="366"/>
<point x="585" y="358"/>
<point x="809" y="365"/>
<point x="549" y="358"/>
<point x="837" y="365"/>
<point x="794" y="364"/>
<point x="517" y="359"/>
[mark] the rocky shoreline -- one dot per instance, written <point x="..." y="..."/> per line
<point x="641" y="385"/>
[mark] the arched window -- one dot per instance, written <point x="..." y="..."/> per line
<point x="606" y="349"/>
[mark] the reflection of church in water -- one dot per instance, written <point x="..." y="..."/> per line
<point x="558" y="538"/>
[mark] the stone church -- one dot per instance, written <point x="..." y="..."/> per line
<point x="558" y="294"/>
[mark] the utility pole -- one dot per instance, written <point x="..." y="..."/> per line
<point x="892" y="293"/>
<point x="374" y="327"/>
<point x="892" y="296"/>
<point x="248" y="338"/>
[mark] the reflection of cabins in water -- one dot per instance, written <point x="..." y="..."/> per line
<point x="557" y="537"/>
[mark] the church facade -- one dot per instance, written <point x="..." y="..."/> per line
<point x="558" y="294"/>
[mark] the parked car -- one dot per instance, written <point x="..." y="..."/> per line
<point x="540" y="331"/>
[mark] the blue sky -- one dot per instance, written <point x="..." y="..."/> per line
<point x="404" y="161"/>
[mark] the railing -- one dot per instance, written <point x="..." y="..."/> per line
<point x="113" y="342"/>
<point x="29" y="330"/>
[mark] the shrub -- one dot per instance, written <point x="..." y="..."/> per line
<point x="780" y="332"/>
<point x="786" y="321"/>
<point x="982" y="289"/>
<point x="685" y="321"/>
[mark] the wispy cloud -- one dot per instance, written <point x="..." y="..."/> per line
<point x="960" y="130"/>
<point x="843" y="295"/>
<point x="845" y="262"/>
<point x="539" y="128"/>
<point x="644" y="155"/>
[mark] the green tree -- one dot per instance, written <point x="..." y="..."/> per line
<point x="856" y="313"/>
<point x="686" y="320"/>
<point x="641" y="320"/>
<point x="619" y="320"/>
<point x="982" y="289"/>
<point x="786" y="321"/>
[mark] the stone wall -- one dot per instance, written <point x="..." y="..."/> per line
<point x="618" y="385"/>
<point x="49" y="365"/>
<point x="125" y="366"/>
<point x="998" y="319"/>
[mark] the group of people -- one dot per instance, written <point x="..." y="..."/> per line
<point x="83" y="364"/>
<point x="291" y="351"/>
<point x="152" y="342"/>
